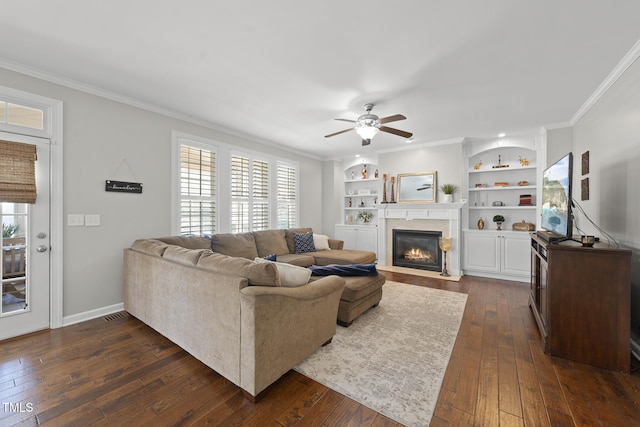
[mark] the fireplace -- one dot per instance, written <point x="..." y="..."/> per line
<point x="417" y="249"/>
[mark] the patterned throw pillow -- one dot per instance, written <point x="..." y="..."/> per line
<point x="304" y="242"/>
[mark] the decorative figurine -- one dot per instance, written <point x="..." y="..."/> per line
<point x="350" y="202"/>
<point x="384" y="188"/>
<point x="393" y="198"/>
<point x="477" y="166"/>
<point x="362" y="203"/>
<point x="376" y="173"/>
<point x="364" y="171"/>
<point x="523" y="161"/>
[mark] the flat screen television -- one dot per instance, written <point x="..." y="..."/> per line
<point x="556" y="200"/>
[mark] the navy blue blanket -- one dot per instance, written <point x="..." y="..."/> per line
<point x="344" y="270"/>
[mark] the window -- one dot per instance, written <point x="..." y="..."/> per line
<point x="218" y="188"/>
<point x="197" y="190"/>
<point x="249" y="194"/>
<point x="287" y="195"/>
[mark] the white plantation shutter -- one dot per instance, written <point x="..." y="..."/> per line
<point x="260" y="196"/>
<point x="197" y="191"/>
<point x="287" y="195"/>
<point x="239" y="194"/>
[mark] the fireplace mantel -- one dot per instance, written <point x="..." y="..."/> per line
<point x="444" y="217"/>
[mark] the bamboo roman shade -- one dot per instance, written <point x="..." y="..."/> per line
<point x="17" y="172"/>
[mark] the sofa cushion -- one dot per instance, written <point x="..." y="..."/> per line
<point x="302" y="260"/>
<point x="149" y="246"/>
<point x="291" y="276"/>
<point x="304" y="242"/>
<point x="343" y="256"/>
<point x="321" y="242"/>
<point x="288" y="235"/>
<point x="257" y="274"/>
<point x="241" y="245"/>
<point x="189" y="242"/>
<point x="344" y="270"/>
<point x="270" y="242"/>
<point x="182" y="255"/>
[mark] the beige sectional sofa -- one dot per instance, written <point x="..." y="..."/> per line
<point x="231" y="312"/>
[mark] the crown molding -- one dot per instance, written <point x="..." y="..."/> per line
<point x="113" y="96"/>
<point x="617" y="72"/>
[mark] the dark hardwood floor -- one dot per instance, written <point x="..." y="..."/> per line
<point x="119" y="372"/>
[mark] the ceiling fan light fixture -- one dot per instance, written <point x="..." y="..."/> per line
<point x="367" y="132"/>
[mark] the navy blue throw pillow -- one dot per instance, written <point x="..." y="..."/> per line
<point x="272" y="257"/>
<point x="304" y="242"/>
<point x="344" y="270"/>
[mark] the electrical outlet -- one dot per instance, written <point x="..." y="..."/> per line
<point x="75" y="220"/>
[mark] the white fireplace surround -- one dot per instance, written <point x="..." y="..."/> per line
<point x="444" y="217"/>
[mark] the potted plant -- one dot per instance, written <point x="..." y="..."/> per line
<point x="10" y="230"/>
<point x="365" y="216"/>
<point x="448" y="190"/>
<point x="498" y="219"/>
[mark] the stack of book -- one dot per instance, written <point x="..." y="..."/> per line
<point x="501" y="184"/>
<point x="525" y="200"/>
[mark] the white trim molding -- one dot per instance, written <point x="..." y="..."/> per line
<point x="618" y="71"/>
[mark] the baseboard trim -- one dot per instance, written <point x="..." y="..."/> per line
<point x="92" y="314"/>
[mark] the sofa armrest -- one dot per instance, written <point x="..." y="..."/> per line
<point x="336" y="244"/>
<point x="281" y="326"/>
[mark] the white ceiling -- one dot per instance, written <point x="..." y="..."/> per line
<point x="282" y="70"/>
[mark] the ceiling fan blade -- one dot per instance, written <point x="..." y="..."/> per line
<point x="347" y="120"/>
<point x="394" y="118"/>
<point x="396" y="131"/>
<point x="338" y="133"/>
<point x="366" y="142"/>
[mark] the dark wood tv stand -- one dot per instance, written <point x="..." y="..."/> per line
<point x="580" y="300"/>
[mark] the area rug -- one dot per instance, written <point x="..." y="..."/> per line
<point x="393" y="357"/>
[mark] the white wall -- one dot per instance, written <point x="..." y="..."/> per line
<point x="610" y="131"/>
<point x="98" y="135"/>
<point x="446" y="160"/>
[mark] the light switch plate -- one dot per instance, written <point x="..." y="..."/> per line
<point x="92" y="220"/>
<point x="75" y="220"/>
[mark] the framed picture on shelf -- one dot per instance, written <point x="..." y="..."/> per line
<point x="420" y="187"/>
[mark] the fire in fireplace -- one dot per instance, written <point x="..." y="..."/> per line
<point x="417" y="249"/>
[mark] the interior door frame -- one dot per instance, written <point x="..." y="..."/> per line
<point x="52" y="131"/>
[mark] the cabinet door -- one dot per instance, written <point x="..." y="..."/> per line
<point x="367" y="239"/>
<point x="516" y="255"/>
<point x="348" y="235"/>
<point x="544" y="294"/>
<point x="482" y="252"/>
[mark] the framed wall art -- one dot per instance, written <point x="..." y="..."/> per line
<point x="420" y="187"/>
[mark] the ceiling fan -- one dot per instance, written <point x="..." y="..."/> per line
<point x="368" y="125"/>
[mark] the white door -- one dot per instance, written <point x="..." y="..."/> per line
<point x="25" y="249"/>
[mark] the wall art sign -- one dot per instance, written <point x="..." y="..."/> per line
<point x="123" y="186"/>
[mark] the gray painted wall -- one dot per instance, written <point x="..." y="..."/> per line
<point x="98" y="135"/>
<point x="610" y="131"/>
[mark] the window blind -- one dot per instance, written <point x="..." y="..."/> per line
<point x="17" y="172"/>
<point x="249" y="194"/>
<point x="197" y="191"/>
<point x="286" y="185"/>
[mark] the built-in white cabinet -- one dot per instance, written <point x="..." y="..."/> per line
<point x="361" y="192"/>
<point x="360" y="237"/>
<point x="498" y="254"/>
<point x="501" y="179"/>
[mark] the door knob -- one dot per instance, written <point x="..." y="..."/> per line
<point x="41" y="248"/>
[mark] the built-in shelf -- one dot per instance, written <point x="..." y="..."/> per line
<point x="502" y="207"/>
<point x="510" y="187"/>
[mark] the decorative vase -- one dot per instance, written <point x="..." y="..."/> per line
<point x="499" y="224"/>
<point x="480" y="224"/>
<point x="448" y="198"/>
